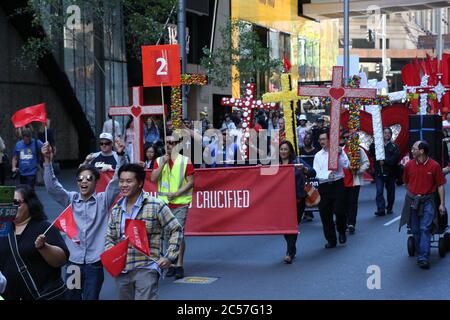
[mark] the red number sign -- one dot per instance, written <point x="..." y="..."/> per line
<point x="161" y="65"/>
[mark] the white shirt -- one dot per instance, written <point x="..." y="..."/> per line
<point x="321" y="167"/>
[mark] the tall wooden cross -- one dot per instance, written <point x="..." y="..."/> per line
<point x="247" y="104"/>
<point x="336" y="93"/>
<point x="137" y="110"/>
<point x="287" y="96"/>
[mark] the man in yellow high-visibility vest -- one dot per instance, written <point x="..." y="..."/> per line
<point x="174" y="174"/>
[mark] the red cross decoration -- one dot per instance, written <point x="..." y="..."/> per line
<point x="137" y="110"/>
<point x="247" y="105"/>
<point x="336" y="93"/>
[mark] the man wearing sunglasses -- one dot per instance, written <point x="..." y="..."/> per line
<point x="90" y="211"/>
<point x="174" y="174"/>
<point x="106" y="159"/>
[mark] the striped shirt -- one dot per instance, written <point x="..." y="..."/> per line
<point x="157" y="217"/>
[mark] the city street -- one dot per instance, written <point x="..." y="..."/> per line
<point x="252" y="268"/>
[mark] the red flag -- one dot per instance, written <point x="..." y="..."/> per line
<point x="136" y="231"/>
<point x="29" y="114"/>
<point x="66" y="223"/>
<point x="287" y="63"/>
<point x="115" y="258"/>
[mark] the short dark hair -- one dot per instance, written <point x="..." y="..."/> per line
<point x="26" y="133"/>
<point x="423" y="145"/>
<point x="325" y="131"/>
<point x="133" y="167"/>
<point x="35" y="207"/>
<point x="91" y="168"/>
<point x="387" y="128"/>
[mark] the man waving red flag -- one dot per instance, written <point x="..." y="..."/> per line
<point x="29" y="114"/>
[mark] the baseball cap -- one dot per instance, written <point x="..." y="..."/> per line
<point x="302" y="117"/>
<point x="107" y="136"/>
<point x="203" y="113"/>
<point x="321" y="119"/>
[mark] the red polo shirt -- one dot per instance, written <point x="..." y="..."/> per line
<point x="423" y="178"/>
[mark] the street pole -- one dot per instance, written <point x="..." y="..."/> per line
<point x="346" y="42"/>
<point x="383" y="44"/>
<point x="181" y="25"/>
<point x="439" y="45"/>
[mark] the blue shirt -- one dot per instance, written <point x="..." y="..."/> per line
<point x="151" y="135"/>
<point x="27" y="156"/>
<point x="126" y="215"/>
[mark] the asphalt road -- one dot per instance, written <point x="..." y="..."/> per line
<point x="251" y="268"/>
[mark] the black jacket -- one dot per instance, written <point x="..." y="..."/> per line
<point x="392" y="158"/>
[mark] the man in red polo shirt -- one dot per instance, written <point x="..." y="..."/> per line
<point x="174" y="175"/>
<point x="423" y="177"/>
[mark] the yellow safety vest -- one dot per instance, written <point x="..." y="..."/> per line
<point x="173" y="180"/>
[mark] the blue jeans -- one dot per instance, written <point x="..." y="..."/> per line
<point x="389" y="183"/>
<point x="92" y="277"/>
<point x="421" y="229"/>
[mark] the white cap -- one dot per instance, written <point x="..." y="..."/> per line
<point x="303" y="117"/>
<point x="107" y="136"/>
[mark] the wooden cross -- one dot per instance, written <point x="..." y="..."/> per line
<point x="247" y="104"/>
<point x="336" y="93"/>
<point x="287" y="96"/>
<point x="176" y="112"/>
<point x="137" y="110"/>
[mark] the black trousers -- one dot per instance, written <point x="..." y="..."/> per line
<point x="351" y="204"/>
<point x="291" y="239"/>
<point x="332" y="202"/>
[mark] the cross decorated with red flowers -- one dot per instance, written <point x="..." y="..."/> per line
<point x="336" y="93"/>
<point x="247" y="105"/>
<point x="137" y="110"/>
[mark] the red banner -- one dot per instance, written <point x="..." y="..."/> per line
<point x="161" y="65"/>
<point x="237" y="201"/>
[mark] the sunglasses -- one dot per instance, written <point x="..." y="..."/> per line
<point x="88" y="177"/>
<point x="18" y="202"/>
<point x="172" y="142"/>
<point x="105" y="143"/>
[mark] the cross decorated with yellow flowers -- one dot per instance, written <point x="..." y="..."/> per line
<point x="176" y="113"/>
<point x="288" y="98"/>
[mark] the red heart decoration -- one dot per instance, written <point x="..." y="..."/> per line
<point x="337" y="93"/>
<point x="136" y="111"/>
<point x="392" y="115"/>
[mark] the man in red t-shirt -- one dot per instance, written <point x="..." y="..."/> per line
<point x="174" y="174"/>
<point x="423" y="177"/>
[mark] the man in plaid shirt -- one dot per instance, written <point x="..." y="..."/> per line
<point x="139" y="279"/>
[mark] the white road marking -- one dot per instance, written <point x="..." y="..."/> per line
<point x="392" y="221"/>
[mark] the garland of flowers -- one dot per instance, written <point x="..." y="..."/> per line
<point x="353" y="139"/>
<point x="176" y="112"/>
<point x="354" y="82"/>
<point x="382" y="101"/>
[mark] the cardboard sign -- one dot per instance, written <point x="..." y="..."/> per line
<point x="161" y="65"/>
